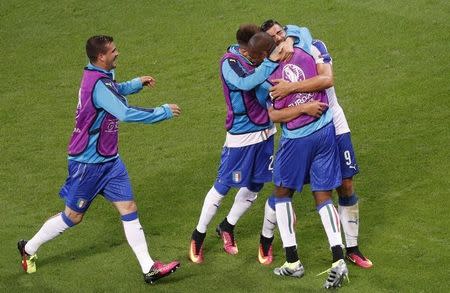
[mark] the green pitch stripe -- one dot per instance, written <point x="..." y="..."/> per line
<point x="289" y="217"/>
<point x="331" y="217"/>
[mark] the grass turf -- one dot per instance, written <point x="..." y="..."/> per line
<point x="391" y="75"/>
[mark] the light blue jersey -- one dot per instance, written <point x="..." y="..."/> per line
<point x="240" y="79"/>
<point x="109" y="97"/>
<point x="302" y="37"/>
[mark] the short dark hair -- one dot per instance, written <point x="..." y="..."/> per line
<point x="245" y="32"/>
<point x="265" y="26"/>
<point x="261" y="43"/>
<point x="96" y="45"/>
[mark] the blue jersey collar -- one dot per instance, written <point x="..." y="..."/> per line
<point x="110" y="73"/>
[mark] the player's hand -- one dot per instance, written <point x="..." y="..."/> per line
<point x="176" y="111"/>
<point x="314" y="108"/>
<point x="148" y="81"/>
<point x="286" y="49"/>
<point x="276" y="54"/>
<point x="281" y="89"/>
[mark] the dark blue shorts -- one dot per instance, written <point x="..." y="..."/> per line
<point x="85" y="181"/>
<point x="240" y="167"/>
<point x="312" y="159"/>
<point x="349" y="166"/>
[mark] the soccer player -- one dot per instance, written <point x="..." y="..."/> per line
<point x="307" y="153"/>
<point x="348" y="201"/>
<point x="94" y="165"/>
<point x="247" y="155"/>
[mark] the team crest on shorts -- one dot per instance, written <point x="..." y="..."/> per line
<point x="81" y="203"/>
<point x="237" y="176"/>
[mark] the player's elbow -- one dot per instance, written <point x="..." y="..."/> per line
<point x="328" y="81"/>
<point x="248" y="83"/>
<point x="123" y="115"/>
<point x="325" y="76"/>
<point x="246" y="87"/>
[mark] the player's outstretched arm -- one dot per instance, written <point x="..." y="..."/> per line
<point x="135" y="85"/>
<point x="313" y="108"/>
<point x="106" y="97"/>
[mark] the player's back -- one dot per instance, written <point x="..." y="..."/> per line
<point x="245" y="113"/>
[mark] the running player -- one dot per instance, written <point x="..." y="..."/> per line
<point x="94" y="164"/>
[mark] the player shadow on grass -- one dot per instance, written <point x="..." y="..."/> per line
<point x="13" y="283"/>
<point x="102" y="247"/>
<point x="79" y="253"/>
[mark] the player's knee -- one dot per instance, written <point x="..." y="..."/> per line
<point x="346" y="188"/>
<point x="322" y="196"/>
<point x="131" y="206"/>
<point x="72" y="217"/>
<point x="281" y="192"/>
<point x="126" y="207"/>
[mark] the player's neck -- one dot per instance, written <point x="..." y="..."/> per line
<point x="101" y="65"/>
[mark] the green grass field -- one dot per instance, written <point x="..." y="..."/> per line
<point x="392" y="69"/>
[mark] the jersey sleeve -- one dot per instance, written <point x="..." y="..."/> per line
<point x="301" y="35"/>
<point x="106" y="97"/>
<point x="129" y="87"/>
<point x="238" y="78"/>
<point x="262" y="94"/>
<point x="320" y="53"/>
